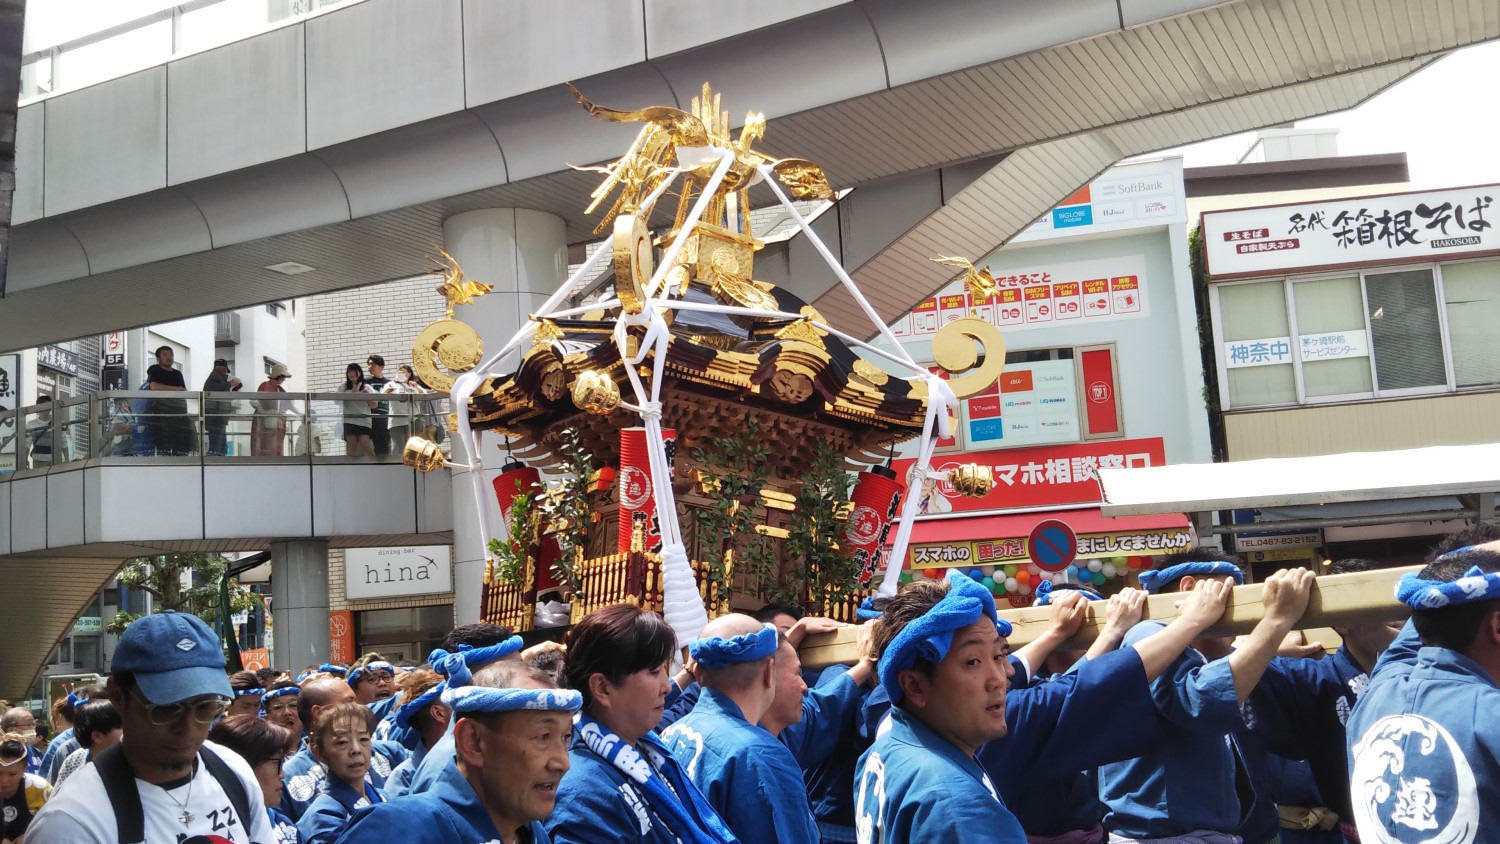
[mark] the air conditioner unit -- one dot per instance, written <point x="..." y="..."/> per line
<point x="227" y="329"/>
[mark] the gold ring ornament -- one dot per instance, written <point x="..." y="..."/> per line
<point x="596" y="392"/>
<point x="971" y="480"/>
<point x="422" y="454"/>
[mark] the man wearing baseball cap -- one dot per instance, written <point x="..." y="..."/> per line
<point x="218" y="411"/>
<point x="163" y="781"/>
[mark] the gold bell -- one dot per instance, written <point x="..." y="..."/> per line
<point x="971" y="480"/>
<point x="595" y="392"/>
<point x="422" y="454"/>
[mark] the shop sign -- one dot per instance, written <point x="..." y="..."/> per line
<point x="1284" y="555"/>
<point x="10" y="392"/>
<point x="1271" y="541"/>
<point x="1421" y="226"/>
<point x="254" y="659"/>
<point x="114" y="348"/>
<point x="1127" y="196"/>
<point x="1266" y="351"/>
<point x="1037" y="477"/>
<point x="1050" y="296"/>
<point x="341" y="637"/>
<point x="1333" y="345"/>
<point x="60" y="359"/>
<point x="88" y="624"/>
<point x="1002" y="550"/>
<point x="1030" y="404"/>
<point x="397" y="572"/>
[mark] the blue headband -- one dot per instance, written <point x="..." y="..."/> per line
<point x="1154" y="581"/>
<point x="867" y="609"/>
<point x="465" y="700"/>
<point x="716" y="652"/>
<point x="409" y="710"/>
<point x="930" y="636"/>
<point x="460" y="665"/>
<point x="325" y="668"/>
<point x="276" y="693"/>
<point x="249" y="692"/>
<point x="1044" y="594"/>
<point x="1475" y="585"/>
<point x="358" y="674"/>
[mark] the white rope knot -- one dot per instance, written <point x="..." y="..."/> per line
<point x="651" y="411"/>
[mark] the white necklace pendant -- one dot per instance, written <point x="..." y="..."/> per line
<point x="185" y="818"/>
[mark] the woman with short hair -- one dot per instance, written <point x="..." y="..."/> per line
<point x="263" y="745"/>
<point x="340" y="740"/>
<point x="624" y="785"/>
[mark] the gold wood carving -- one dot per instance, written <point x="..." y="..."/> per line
<point x="953" y="349"/>
<point x="447" y="342"/>
<point x="980" y="283"/>
<point x="633" y="262"/>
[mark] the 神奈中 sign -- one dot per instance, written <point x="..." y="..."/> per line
<point x="1419" y="226"/>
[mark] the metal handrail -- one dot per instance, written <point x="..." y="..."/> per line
<point x="208" y="427"/>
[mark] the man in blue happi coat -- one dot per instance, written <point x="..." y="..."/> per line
<point x="421" y="713"/>
<point x="1302" y="705"/>
<point x="457" y="664"/>
<point x="303" y="777"/>
<point x="1424" y="748"/>
<point x="511" y="752"/>
<point x="751" y="779"/>
<point x="1197" y="783"/>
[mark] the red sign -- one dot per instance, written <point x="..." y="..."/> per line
<point x="1101" y="414"/>
<point x="1246" y="234"/>
<point x="341" y="637"/>
<point x="254" y="659"/>
<point x="1268" y="246"/>
<point x="1038" y="477"/>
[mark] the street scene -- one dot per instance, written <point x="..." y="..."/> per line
<point x="847" y="421"/>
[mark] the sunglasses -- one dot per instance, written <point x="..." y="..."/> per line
<point x="204" y="711"/>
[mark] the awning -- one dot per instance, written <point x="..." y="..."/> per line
<point x="1295" y="481"/>
<point x="1001" y="538"/>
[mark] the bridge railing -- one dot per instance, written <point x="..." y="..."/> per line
<point x="175" y="427"/>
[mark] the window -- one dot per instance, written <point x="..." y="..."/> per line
<point x="1381" y="333"/>
<point x="1471" y="300"/>
<point x="274" y="309"/>
<point x="270" y="364"/>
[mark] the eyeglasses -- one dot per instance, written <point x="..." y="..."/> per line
<point x="205" y="711"/>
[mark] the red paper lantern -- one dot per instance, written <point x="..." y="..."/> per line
<point x="637" y="495"/>
<point x="515" y="479"/>
<point x="876" y="499"/>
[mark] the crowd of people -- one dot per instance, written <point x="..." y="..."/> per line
<point x="939" y="732"/>
<point x="165" y="426"/>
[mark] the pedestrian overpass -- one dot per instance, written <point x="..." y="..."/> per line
<point x="71" y="518"/>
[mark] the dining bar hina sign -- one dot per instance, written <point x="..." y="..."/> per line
<point x="397" y="572"/>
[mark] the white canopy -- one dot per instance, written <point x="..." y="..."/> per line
<point x="1291" y="481"/>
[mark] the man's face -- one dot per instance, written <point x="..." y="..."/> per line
<point x="10" y="778"/>
<point x="337" y="693"/>
<point x="375" y="685"/>
<point x="245" y="705"/>
<point x="964" y="700"/>
<point x="283" y="711"/>
<point x="790" y="688"/>
<point x="160" y="750"/>
<point x="783" y="622"/>
<point x="164" y="357"/>
<point x="104" y="741"/>
<point x="376" y="369"/>
<point x="23" y="723"/>
<point x="525" y="757"/>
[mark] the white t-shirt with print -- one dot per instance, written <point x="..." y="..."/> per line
<point x="81" y="813"/>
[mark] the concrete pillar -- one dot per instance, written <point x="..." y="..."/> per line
<point x="299" y="603"/>
<point x="523" y="254"/>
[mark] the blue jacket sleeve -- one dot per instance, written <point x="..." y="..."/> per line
<point x="767" y="799"/>
<point x="1046" y="721"/>
<point x="679" y="705"/>
<point x="828" y="716"/>
<point x="1295" y="698"/>
<point x="323" y="822"/>
<point x="1193" y="693"/>
<point x="594" y="814"/>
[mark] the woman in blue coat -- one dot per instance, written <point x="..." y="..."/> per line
<point x="624" y="785"/>
<point x="340" y="740"/>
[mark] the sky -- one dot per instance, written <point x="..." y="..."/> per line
<point x="1443" y="117"/>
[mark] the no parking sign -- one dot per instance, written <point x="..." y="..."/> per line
<point x="1052" y="545"/>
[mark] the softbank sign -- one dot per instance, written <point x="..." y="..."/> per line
<point x="1143" y="194"/>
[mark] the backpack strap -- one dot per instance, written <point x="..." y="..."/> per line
<point x="233" y="786"/>
<point x="124" y="796"/>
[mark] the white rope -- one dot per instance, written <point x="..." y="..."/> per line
<point x="699" y="208"/>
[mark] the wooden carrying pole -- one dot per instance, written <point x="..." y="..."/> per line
<point x="1337" y="600"/>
